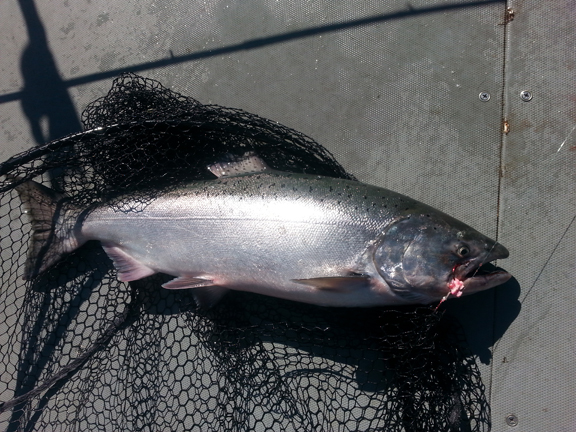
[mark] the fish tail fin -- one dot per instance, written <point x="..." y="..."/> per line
<point x="52" y="226"/>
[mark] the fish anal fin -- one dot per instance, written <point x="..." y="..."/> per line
<point x="205" y="293"/>
<point x="129" y="268"/>
<point x="337" y="283"/>
<point x="249" y="163"/>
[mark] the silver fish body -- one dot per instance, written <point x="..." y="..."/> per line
<point x="307" y="238"/>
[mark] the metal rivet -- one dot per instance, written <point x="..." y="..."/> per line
<point x="512" y="420"/>
<point x="484" y="96"/>
<point x="525" y="95"/>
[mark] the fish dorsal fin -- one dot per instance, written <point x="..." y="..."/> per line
<point x="337" y="283"/>
<point x="249" y="163"/>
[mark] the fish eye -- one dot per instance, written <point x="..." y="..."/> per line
<point x="463" y="251"/>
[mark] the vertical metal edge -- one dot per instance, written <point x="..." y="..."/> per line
<point x="504" y="114"/>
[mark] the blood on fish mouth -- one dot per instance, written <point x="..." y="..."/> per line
<point x="464" y="272"/>
<point x="456" y="286"/>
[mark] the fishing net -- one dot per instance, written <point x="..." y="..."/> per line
<point x="82" y="351"/>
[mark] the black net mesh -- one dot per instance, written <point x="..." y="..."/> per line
<point x="82" y="351"/>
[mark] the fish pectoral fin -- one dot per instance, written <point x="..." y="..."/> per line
<point x="337" y="283"/>
<point x="249" y="163"/>
<point x="206" y="294"/>
<point x="129" y="268"/>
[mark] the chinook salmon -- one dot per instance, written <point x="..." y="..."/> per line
<point x="307" y="238"/>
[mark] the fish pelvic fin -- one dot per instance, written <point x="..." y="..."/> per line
<point x="206" y="293"/>
<point x="53" y="220"/>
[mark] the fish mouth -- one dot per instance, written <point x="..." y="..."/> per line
<point x="476" y="275"/>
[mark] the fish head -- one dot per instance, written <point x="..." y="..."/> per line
<point x="426" y="257"/>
